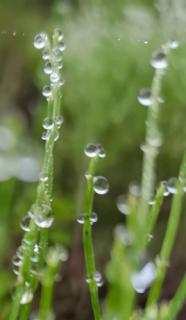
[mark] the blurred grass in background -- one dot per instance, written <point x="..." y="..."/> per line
<point x="109" y="45"/>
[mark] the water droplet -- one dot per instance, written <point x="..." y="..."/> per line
<point x="93" y="218"/>
<point x="16" y="261"/>
<point x="101" y="151"/>
<point x="155" y="142"/>
<point x="151" y="202"/>
<point x="101" y="185"/>
<point x="46" y="92"/>
<point x="91" y="150"/>
<point x="81" y="219"/>
<point x="135" y="190"/>
<point x="43" y="221"/>
<point x="97" y="276"/>
<point x="123" y="234"/>
<point x="171" y="186"/>
<point x="88" y="279"/>
<point x="16" y="270"/>
<point x="48" y="123"/>
<point x="60" y="66"/>
<point x="45" y="55"/>
<point x="47" y="68"/>
<point x="45" y="135"/>
<point x="173" y="44"/>
<point x="40" y="40"/>
<point x="54" y="77"/>
<point x="150" y="237"/>
<point x="145" y="97"/>
<point x="43" y="177"/>
<point x="61" y="46"/>
<point x="20" y="252"/>
<point x="42" y="215"/>
<point x="58" y="120"/>
<point x="61" y="82"/>
<point x="26" y="297"/>
<point x="25" y="223"/>
<point x="98" y="279"/>
<point x="142" y="280"/>
<point x="122" y="205"/>
<point x="159" y="60"/>
<point x="56" y="135"/>
<point x="59" y="34"/>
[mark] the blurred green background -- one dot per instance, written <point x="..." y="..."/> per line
<point x="106" y="63"/>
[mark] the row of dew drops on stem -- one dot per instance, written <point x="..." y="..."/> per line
<point x="143" y="278"/>
<point x="41" y="214"/>
<point x="101" y="187"/>
<point x="158" y="61"/>
<point x="52" y="55"/>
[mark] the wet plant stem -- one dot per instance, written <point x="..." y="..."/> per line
<point x="169" y="238"/>
<point x="44" y="196"/>
<point x="88" y="243"/>
<point x="152" y="142"/>
<point x="177" y="301"/>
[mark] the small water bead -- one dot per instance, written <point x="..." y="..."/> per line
<point x="142" y="280"/>
<point x="123" y="234"/>
<point x="48" y="123"/>
<point x="81" y="219"/>
<point x="88" y="279"/>
<point x="59" y="34"/>
<point x="60" y="66"/>
<point x="20" y="252"/>
<point x="101" y="185"/>
<point x="43" y="221"/>
<point x="97" y="276"/>
<point x="54" y="77"/>
<point x="56" y="135"/>
<point x="61" y="82"/>
<point x="26" y="297"/>
<point x="93" y="218"/>
<point x="58" y="120"/>
<point x="173" y="44"/>
<point x="16" y="270"/>
<point x="25" y="223"/>
<point x="45" y="135"/>
<point x="16" y="261"/>
<point x="45" y="55"/>
<point x="159" y="60"/>
<point x="91" y="150"/>
<point x="155" y="142"/>
<point x="61" y="46"/>
<point x="40" y="40"/>
<point x="43" y="177"/>
<point x="47" y="68"/>
<point x="122" y="205"/>
<point x="135" y="190"/>
<point x="171" y="185"/>
<point x="46" y="92"/>
<point x="151" y="202"/>
<point x="166" y="192"/>
<point x="145" y="97"/>
<point x="101" y="151"/>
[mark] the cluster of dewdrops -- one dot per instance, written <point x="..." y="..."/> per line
<point x="52" y="54"/>
<point x="41" y="214"/>
<point x="101" y="187"/>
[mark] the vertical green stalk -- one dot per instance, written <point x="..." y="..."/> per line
<point x="47" y="283"/>
<point x="152" y="142"/>
<point x="169" y="238"/>
<point x="177" y="301"/>
<point x="44" y="190"/>
<point x="87" y="241"/>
